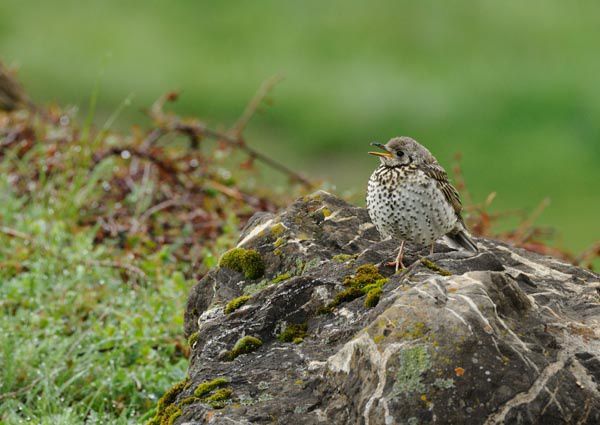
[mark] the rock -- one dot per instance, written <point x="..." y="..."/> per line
<point x="504" y="336"/>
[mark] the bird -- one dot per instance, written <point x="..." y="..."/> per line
<point x="410" y="198"/>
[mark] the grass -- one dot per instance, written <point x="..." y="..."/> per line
<point x="81" y="341"/>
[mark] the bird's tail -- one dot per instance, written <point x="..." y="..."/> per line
<point x="463" y="239"/>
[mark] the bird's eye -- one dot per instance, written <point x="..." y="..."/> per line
<point x="399" y="154"/>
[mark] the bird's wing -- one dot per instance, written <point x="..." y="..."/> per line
<point x="437" y="173"/>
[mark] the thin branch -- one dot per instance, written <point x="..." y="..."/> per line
<point x="260" y="95"/>
<point x="117" y="265"/>
<point x="15" y="233"/>
<point x="238" y="143"/>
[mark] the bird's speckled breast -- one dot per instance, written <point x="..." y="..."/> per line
<point x="406" y="204"/>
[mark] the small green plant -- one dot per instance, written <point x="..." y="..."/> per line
<point x="206" y="387"/>
<point x="366" y="280"/>
<point x="434" y="267"/>
<point x="246" y="261"/>
<point x="244" y="345"/>
<point x="372" y="298"/>
<point x="236" y="303"/>
<point x="218" y="398"/>
<point x="293" y="333"/>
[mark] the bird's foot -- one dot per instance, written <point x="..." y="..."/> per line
<point x="397" y="265"/>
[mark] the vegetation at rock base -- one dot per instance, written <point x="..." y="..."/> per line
<point x="166" y="410"/>
<point x="246" y="261"/>
<point x="102" y="235"/>
<point x="236" y="303"/>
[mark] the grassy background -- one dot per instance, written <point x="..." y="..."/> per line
<point x="511" y="85"/>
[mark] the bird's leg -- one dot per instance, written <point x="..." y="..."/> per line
<point x="399" y="257"/>
<point x="398" y="263"/>
<point x="431" y="250"/>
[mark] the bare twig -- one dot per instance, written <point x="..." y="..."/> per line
<point x="15" y="233"/>
<point x="262" y="92"/>
<point x="117" y="265"/>
<point x="235" y="142"/>
<point x="196" y="130"/>
<point x="525" y="228"/>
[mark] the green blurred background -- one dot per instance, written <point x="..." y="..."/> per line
<point x="514" y="86"/>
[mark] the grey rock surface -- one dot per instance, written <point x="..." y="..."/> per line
<point x="505" y="336"/>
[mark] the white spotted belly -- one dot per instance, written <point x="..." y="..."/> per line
<point x="409" y="207"/>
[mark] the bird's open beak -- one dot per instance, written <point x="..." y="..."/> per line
<point x="385" y="154"/>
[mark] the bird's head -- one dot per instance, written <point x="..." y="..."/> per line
<point x="401" y="151"/>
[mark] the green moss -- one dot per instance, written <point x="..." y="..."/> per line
<point x="373" y="297"/>
<point x="188" y="400"/>
<point x="257" y="287"/>
<point x="326" y="212"/>
<point x="434" y="267"/>
<point x="193" y="338"/>
<point x="413" y="362"/>
<point x="166" y="410"/>
<point x="281" y="277"/>
<point x="169" y="397"/>
<point x="236" y="303"/>
<point x="277" y="229"/>
<point x="346" y="295"/>
<point x="415" y="331"/>
<point x="292" y="332"/>
<point x="278" y="242"/>
<point x="365" y="280"/>
<point x="365" y="275"/>
<point x="342" y="258"/>
<point x="244" y="345"/>
<point x="298" y="340"/>
<point x="277" y="252"/>
<point x="171" y="413"/>
<point x="246" y="261"/>
<point x="218" y="398"/>
<point x="207" y="386"/>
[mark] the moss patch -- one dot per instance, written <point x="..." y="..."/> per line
<point x="246" y="261"/>
<point x="365" y="280"/>
<point x="415" y="331"/>
<point x="434" y="267"/>
<point x="281" y="277"/>
<point x="212" y="393"/>
<point x="206" y="387"/>
<point x="293" y="332"/>
<point x="372" y="298"/>
<point x="277" y="229"/>
<point x="342" y="258"/>
<point x="166" y="410"/>
<point x="236" y="303"/>
<point x="244" y="345"/>
<point x="193" y="338"/>
<point x="218" y="398"/>
<point x="365" y="275"/>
